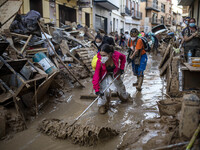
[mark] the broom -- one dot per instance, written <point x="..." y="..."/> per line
<point x="83" y="135"/>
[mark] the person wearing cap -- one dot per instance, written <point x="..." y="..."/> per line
<point x="138" y="57"/>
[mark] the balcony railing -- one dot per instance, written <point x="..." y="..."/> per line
<point x="153" y="6"/>
<point x="137" y="15"/>
<point x="154" y="20"/>
<point x="125" y="11"/>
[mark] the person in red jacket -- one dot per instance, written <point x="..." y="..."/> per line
<point x="106" y="70"/>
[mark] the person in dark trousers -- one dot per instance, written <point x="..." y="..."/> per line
<point x="116" y="37"/>
<point x="122" y="40"/>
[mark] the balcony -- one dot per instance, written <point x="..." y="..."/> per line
<point x="107" y="4"/>
<point x="185" y="2"/>
<point x="137" y="15"/>
<point x="125" y="11"/>
<point x="152" y="6"/>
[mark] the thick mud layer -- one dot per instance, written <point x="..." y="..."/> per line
<point x="139" y="121"/>
<point x="83" y="135"/>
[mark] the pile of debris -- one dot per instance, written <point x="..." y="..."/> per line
<point x="83" y="135"/>
<point x="35" y="54"/>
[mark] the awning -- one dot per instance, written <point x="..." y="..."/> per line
<point x="185" y="2"/>
<point x="106" y="4"/>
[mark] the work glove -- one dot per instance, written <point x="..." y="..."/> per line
<point x="99" y="94"/>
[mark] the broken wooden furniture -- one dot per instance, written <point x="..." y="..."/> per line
<point x="86" y="55"/>
<point x="38" y="84"/>
<point x="66" y="67"/>
<point x="8" y="11"/>
<point x="190" y="77"/>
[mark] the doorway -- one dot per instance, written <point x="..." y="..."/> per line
<point x="37" y="6"/>
<point x="87" y="19"/>
<point x="66" y="14"/>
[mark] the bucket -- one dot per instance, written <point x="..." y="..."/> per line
<point x="44" y="62"/>
<point x="169" y="107"/>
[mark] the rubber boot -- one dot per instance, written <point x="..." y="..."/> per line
<point x="102" y="109"/>
<point x="107" y="105"/>
<point x="140" y="81"/>
<point x="136" y="83"/>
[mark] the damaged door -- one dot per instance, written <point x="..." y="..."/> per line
<point x="37" y="6"/>
<point x="66" y="14"/>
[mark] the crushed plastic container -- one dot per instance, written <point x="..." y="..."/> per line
<point x="44" y="62"/>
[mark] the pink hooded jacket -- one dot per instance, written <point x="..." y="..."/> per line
<point x="100" y="71"/>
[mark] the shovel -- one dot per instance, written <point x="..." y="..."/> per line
<point x="94" y="101"/>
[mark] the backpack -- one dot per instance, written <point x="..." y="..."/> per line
<point x="94" y="62"/>
<point x="147" y="48"/>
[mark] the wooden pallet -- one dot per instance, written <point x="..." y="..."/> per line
<point x="86" y="55"/>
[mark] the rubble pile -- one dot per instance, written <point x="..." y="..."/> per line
<point x="36" y="56"/>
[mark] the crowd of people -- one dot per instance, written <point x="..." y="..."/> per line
<point x="109" y="64"/>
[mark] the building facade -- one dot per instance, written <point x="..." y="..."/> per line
<point x="59" y="11"/>
<point x="127" y="17"/>
<point x="177" y="19"/>
<point x="156" y="12"/>
<point x="102" y="12"/>
<point x="192" y="9"/>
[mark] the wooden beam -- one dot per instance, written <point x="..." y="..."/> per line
<point x="66" y="67"/>
<point x="29" y="38"/>
<point x="19" y="35"/>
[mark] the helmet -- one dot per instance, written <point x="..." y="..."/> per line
<point x="134" y="32"/>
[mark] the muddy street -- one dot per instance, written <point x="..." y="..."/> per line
<point x="127" y="118"/>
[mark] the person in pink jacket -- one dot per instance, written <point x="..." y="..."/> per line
<point x="106" y="70"/>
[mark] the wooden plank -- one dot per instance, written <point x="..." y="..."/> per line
<point x="29" y="38"/>
<point x="7" y="24"/>
<point x="191" y="68"/>
<point x="86" y="61"/>
<point x="65" y="49"/>
<point x="82" y="53"/>
<point x="43" y="87"/>
<point x="19" y="35"/>
<point x="2" y="2"/>
<point x="8" y="10"/>
<point x="66" y="67"/>
<point x="165" y="66"/>
<point x="165" y="56"/>
<point x="33" y="51"/>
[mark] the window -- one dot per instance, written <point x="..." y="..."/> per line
<point x="87" y="19"/>
<point x="154" y="18"/>
<point x="162" y="19"/>
<point x="162" y="7"/>
<point x="133" y="8"/>
<point x="155" y="4"/>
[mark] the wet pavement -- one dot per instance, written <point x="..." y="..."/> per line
<point x="124" y="117"/>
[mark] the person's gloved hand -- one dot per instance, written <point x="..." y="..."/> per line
<point x="99" y="94"/>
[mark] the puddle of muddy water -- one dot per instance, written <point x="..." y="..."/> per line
<point x="124" y="117"/>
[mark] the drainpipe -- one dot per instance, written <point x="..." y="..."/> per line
<point x="145" y="8"/>
<point x="198" y="13"/>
